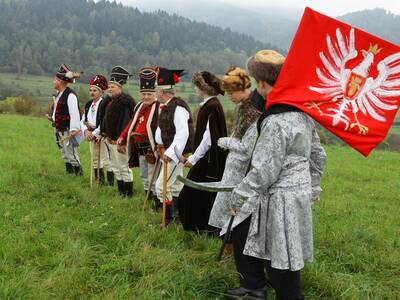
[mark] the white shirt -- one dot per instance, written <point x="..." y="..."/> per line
<point x="72" y="102"/>
<point x="205" y="143"/>
<point x="181" y="117"/>
<point x="92" y="117"/>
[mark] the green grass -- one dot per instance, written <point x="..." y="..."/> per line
<point x="62" y="240"/>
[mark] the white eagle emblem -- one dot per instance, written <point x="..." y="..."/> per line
<point x="351" y="89"/>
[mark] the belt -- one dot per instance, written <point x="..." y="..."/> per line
<point x="112" y="142"/>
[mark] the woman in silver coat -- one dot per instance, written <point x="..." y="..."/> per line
<point x="278" y="190"/>
<point x="236" y="83"/>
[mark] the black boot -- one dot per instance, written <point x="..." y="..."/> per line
<point x="99" y="175"/>
<point x="156" y="204"/>
<point x="78" y="170"/>
<point x="121" y="187"/>
<point x="248" y="294"/>
<point x="128" y="189"/>
<point x="175" y="209"/>
<point x="69" y="168"/>
<point x="110" y="178"/>
<point x="168" y="214"/>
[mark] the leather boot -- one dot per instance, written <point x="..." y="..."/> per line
<point x="69" y="168"/>
<point x="121" y="187"/>
<point x="175" y="209"/>
<point x="100" y="176"/>
<point x="128" y="189"/>
<point x="248" y="294"/>
<point x="157" y="205"/>
<point x="78" y="170"/>
<point x="110" y="178"/>
<point x="168" y="213"/>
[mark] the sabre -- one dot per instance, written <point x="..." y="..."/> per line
<point x="216" y="186"/>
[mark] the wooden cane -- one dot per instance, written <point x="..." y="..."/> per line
<point x="98" y="163"/>
<point x="164" y="194"/>
<point x="153" y="175"/>
<point x="91" y="170"/>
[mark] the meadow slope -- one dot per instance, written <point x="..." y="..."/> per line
<point x="62" y="240"/>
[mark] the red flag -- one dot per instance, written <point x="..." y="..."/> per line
<point x="344" y="78"/>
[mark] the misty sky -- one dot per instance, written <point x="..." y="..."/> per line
<point x="329" y="7"/>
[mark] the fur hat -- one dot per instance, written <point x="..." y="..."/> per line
<point x="208" y="83"/>
<point x="235" y="79"/>
<point x="265" y="65"/>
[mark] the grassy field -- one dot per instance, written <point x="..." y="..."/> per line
<point x="40" y="88"/>
<point x="62" y="240"/>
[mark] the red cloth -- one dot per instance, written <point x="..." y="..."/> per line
<point x="344" y="78"/>
<point x="141" y="122"/>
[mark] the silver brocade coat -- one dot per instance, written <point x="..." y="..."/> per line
<point x="277" y="192"/>
<point x="235" y="169"/>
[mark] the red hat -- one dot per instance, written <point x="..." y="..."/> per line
<point x="100" y="82"/>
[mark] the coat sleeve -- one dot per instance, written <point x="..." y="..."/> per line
<point x="266" y="163"/>
<point x="317" y="162"/>
<point x="243" y="146"/>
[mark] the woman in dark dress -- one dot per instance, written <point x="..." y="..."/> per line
<point x="207" y="163"/>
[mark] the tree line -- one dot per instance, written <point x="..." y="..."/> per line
<point x="36" y="36"/>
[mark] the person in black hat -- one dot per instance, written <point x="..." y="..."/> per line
<point x="139" y="135"/>
<point x="91" y="120"/>
<point x="174" y="137"/>
<point x="207" y="163"/>
<point x="119" y="111"/>
<point x="66" y="119"/>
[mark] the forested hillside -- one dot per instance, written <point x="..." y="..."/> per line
<point x="36" y="36"/>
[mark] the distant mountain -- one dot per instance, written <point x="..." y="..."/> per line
<point x="36" y="36"/>
<point x="268" y="24"/>
<point x="377" y="21"/>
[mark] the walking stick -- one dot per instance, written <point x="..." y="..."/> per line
<point x="153" y="175"/>
<point x="91" y="170"/>
<point x="98" y="164"/>
<point x="164" y="194"/>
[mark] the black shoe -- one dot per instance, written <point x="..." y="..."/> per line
<point x="110" y="178"/>
<point x="128" y="189"/>
<point x="121" y="187"/>
<point x="243" y="293"/>
<point x="99" y="175"/>
<point x="69" y="168"/>
<point x="78" y="170"/>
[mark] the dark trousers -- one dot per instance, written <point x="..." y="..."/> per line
<point x="252" y="270"/>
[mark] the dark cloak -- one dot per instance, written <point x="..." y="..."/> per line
<point x="194" y="205"/>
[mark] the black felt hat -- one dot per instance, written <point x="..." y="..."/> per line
<point x="119" y="75"/>
<point x="167" y="78"/>
<point x="148" y="79"/>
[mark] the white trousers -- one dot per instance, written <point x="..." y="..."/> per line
<point x="174" y="186"/>
<point x="68" y="149"/>
<point x="104" y="155"/>
<point x="119" y="164"/>
<point x="146" y="171"/>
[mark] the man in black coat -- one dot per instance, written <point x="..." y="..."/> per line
<point x="118" y="113"/>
